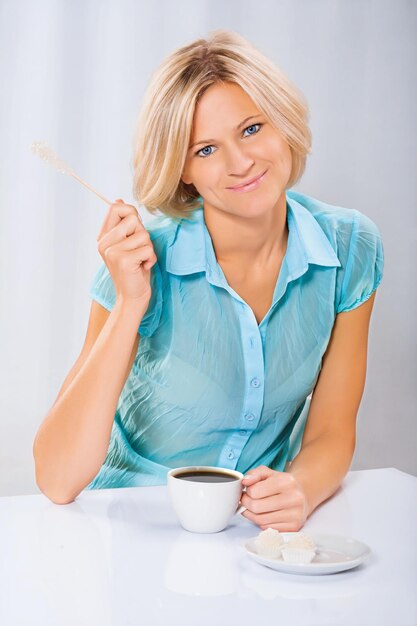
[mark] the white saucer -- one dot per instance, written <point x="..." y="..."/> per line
<point x="334" y="554"/>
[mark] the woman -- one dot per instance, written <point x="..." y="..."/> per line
<point x="248" y="297"/>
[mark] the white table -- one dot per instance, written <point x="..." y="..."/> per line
<point x="119" y="557"/>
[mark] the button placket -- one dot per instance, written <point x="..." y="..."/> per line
<point x="253" y="355"/>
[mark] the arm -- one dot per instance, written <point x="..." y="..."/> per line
<point x="330" y="433"/>
<point x="329" y="437"/>
<point x="72" y="441"/>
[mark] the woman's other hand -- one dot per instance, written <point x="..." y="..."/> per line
<point x="274" y="500"/>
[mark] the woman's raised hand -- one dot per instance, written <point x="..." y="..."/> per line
<point x="126" y="248"/>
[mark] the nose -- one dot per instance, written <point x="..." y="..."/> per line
<point x="238" y="163"/>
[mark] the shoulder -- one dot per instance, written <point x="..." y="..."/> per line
<point x="162" y="230"/>
<point x="341" y="225"/>
<point x="357" y="242"/>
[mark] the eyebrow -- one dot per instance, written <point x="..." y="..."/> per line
<point x="196" y="143"/>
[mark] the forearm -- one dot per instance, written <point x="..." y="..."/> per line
<point x="321" y="466"/>
<point x="72" y="442"/>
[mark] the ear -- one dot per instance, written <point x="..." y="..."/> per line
<point x="186" y="179"/>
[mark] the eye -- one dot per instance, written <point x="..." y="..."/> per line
<point x="253" y="126"/>
<point x="206" y="154"/>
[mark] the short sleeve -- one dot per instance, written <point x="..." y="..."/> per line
<point x="102" y="291"/>
<point x="364" y="265"/>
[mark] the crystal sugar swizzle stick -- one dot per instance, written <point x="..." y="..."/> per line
<point x="47" y="154"/>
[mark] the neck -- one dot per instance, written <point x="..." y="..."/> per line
<point x="248" y="243"/>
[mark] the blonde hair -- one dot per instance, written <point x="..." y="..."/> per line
<point x="165" y="120"/>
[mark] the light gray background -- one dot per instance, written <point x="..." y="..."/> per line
<point x="74" y="73"/>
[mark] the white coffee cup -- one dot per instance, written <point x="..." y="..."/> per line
<point x="204" y="507"/>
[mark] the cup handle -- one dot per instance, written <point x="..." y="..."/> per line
<point x="241" y="509"/>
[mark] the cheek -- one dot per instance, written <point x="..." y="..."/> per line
<point x="287" y="158"/>
<point x="283" y="151"/>
<point x="279" y="148"/>
<point x="209" y="173"/>
<point x="284" y="157"/>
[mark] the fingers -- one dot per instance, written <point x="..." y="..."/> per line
<point x="140" y="254"/>
<point x="123" y="232"/>
<point x="140" y="241"/>
<point x="274" y="500"/>
<point x="136" y="240"/>
<point x="276" y="482"/>
<point x="256" y="474"/>
<point x="117" y="211"/>
<point x="128" y="226"/>
<point x="277" y="502"/>
<point x="260" y="472"/>
<point x="288" y="520"/>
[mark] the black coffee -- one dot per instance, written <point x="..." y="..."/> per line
<point x="200" y="476"/>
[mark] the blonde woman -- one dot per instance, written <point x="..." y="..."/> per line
<point x="213" y="327"/>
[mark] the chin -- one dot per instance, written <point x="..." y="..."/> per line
<point x="260" y="205"/>
<point x="254" y="212"/>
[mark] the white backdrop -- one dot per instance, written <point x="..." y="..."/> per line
<point x="73" y="73"/>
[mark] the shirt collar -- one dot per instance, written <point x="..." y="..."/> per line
<point x="309" y="243"/>
<point x="192" y="249"/>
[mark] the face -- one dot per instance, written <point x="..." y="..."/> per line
<point x="227" y="156"/>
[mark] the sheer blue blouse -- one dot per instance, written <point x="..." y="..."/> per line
<point x="209" y="386"/>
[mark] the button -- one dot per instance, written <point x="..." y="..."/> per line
<point x="243" y="432"/>
<point x="255" y="382"/>
<point x="230" y="455"/>
<point x="249" y="416"/>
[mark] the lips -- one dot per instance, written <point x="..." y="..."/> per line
<point x="248" y="182"/>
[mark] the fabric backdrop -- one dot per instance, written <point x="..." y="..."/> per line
<point x="73" y="73"/>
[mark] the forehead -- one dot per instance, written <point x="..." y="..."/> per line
<point x="222" y="103"/>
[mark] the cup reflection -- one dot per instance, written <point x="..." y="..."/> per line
<point x="202" y="565"/>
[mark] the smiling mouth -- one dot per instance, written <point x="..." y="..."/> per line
<point x="251" y="184"/>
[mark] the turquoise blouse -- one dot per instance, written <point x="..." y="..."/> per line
<point x="209" y="386"/>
